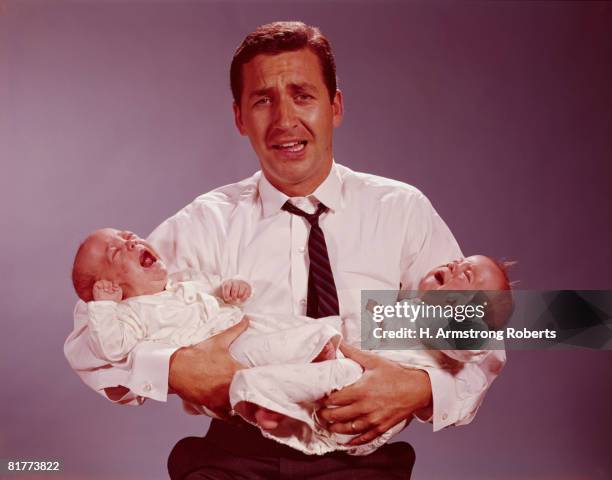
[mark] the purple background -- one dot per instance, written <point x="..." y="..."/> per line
<point x="119" y="114"/>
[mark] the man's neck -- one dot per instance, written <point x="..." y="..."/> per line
<point x="302" y="189"/>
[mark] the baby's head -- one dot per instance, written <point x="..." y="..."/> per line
<point x="121" y="257"/>
<point x="472" y="273"/>
<point x="477" y="272"/>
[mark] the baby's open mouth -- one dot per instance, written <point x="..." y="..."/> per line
<point x="147" y="259"/>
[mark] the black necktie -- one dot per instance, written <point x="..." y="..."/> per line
<point x="322" y="295"/>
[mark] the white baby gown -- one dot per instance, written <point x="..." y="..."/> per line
<point x="278" y="349"/>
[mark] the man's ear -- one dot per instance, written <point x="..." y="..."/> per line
<point x="337" y="109"/>
<point x="238" y="119"/>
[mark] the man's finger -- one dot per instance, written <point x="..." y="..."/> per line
<point x="346" y="396"/>
<point x="371" y="434"/>
<point x="267" y="419"/>
<point x="375" y="432"/>
<point x="360" y="425"/>
<point x="341" y="414"/>
<point x="365" y="359"/>
<point x="226" y="337"/>
<point x="364" y="438"/>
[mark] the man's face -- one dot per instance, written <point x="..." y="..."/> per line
<point x="286" y="113"/>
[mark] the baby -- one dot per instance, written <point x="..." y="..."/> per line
<point x="131" y="298"/>
<point x="478" y="280"/>
<point x="294" y="360"/>
<point x="475" y="273"/>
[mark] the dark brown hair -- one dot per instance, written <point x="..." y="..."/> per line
<point x="279" y="37"/>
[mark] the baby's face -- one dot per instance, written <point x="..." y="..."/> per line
<point x="472" y="273"/>
<point x="127" y="259"/>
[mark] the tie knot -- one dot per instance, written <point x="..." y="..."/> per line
<point x="313" y="218"/>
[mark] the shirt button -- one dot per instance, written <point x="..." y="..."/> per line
<point x="445" y="416"/>
<point x="303" y="301"/>
<point x="147" y="387"/>
<point x="301" y="249"/>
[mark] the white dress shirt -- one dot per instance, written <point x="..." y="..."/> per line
<point x="380" y="234"/>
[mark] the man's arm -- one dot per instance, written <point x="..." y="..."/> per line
<point x="143" y="373"/>
<point x="188" y="240"/>
<point x="386" y="394"/>
<point x="200" y="374"/>
<point x="444" y="396"/>
<point x="403" y="392"/>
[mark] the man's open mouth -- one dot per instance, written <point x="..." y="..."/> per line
<point x="147" y="259"/>
<point x="439" y="276"/>
<point x="293" y="147"/>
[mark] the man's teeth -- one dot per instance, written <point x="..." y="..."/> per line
<point x="292" y="146"/>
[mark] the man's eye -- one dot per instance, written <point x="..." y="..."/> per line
<point x="304" y="97"/>
<point x="263" y="101"/>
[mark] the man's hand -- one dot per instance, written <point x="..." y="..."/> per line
<point x="107" y="290"/>
<point x="267" y="419"/>
<point x="202" y="374"/>
<point x="235" y="290"/>
<point x="386" y="394"/>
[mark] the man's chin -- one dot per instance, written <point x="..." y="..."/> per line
<point x="290" y="176"/>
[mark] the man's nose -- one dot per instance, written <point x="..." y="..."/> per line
<point x="285" y="114"/>
<point x="130" y="245"/>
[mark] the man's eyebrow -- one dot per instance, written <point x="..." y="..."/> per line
<point x="303" y="87"/>
<point x="260" y="92"/>
<point x="294" y="87"/>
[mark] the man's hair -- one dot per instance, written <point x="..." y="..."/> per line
<point x="280" y="37"/>
<point x="83" y="279"/>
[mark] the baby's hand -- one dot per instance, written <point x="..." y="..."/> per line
<point x="235" y="290"/>
<point x="107" y="290"/>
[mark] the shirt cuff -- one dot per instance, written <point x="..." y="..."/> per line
<point x="150" y="369"/>
<point x="441" y="414"/>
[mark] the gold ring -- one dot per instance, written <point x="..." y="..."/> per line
<point x="353" y="428"/>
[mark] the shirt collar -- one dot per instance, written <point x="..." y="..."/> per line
<point x="328" y="193"/>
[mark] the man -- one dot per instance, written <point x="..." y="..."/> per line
<point x="372" y="233"/>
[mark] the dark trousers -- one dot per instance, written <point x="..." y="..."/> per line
<point x="231" y="451"/>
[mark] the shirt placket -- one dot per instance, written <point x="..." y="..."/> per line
<point x="299" y="258"/>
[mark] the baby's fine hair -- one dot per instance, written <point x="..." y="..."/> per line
<point x="500" y="304"/>
<point x="82" y="279"/>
